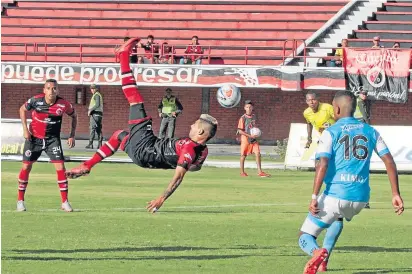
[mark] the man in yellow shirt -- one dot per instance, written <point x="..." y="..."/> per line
<point x="337" y="61"/>
<point x="318" y="115"/>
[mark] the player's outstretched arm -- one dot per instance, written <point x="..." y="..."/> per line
<point x="177" y="179"/>
<point x="23" y="117"/>
<point x="392" y="171"/>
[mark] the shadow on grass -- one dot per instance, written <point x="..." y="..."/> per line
<point x="140" y="249"/>
<point x="156" y="258"/>
<point x="382" y="270"/>
<point x="117" y="249"/>
<point x="373" y="249"/>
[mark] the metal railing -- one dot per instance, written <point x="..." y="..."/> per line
<point x="288" y="51"/>
<point x="44" y="49"/>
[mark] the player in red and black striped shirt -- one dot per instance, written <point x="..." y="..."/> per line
<point x="43" y="134"/>
<point x="143" y="147"/>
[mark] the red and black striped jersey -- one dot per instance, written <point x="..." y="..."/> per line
<point x="47" y="119"/>
<point x="180" y="152"/>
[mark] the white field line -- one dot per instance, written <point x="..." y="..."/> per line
<point x="166" y="207"/>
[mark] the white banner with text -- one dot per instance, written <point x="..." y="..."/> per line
<point x="397" y="138"/>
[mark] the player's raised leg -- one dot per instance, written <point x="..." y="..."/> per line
<point x="116" y="141"/>
<point x="129" y="86"/>
<point x="133" y="96"/>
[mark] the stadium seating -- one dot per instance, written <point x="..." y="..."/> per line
<point x="392" y="24"/>
<point x="57" y="29"/>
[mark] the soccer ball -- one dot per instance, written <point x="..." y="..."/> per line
<point x="256" y="132"/>
<point x="228" y="96"/>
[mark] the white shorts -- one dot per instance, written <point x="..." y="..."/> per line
<point x="331" y="209"/>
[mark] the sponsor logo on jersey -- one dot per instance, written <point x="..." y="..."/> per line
<point x="61" y="105"/>
<point x="187" y="155"/>
<point x="351" y="127"/>
<point x="59" y="111"/>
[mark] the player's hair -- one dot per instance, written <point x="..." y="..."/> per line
<point x="209" y="123"/>
<point x="350" y="95"/>
<point x="312" y="93"/>
<point x="127" y="38"/>
<point x="150" y="36"/>
<point x="195" y="36"/>
<point x="248" y="102"/>
<point x="51" y="81"/>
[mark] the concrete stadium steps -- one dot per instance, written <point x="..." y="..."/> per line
<point x="331" y="6"/>
<point x="384" y="34"/>
<point x="388" y="25"/>
<point x="142" y="23"/>
<point x="367" y="43"/>
<point x="392" y="24"/>
<point x="23" y="30"/>
<point x="398" y="7"/>
<point x="167" y="14"/>
<point x="221" y="25"/>
<point x="393" y="16"/>
<point x="12" y="38"/>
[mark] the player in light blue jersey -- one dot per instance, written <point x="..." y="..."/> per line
<point x="343" y="164"/>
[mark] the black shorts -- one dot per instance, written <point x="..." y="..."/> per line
<point x="140" y="144"/>
<point x="35" y="146"/>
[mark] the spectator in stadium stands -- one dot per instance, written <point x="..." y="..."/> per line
<point x="133" y="56"/>
<point x="141" y="59"/>
<point x="377" y="42"/>
<point x="338" y="59"/>
<point x="193" y="48"/>
<point x="167" y="53"/>
<point x="169" y="108"/>
<point x="396" y="45"/>
<point x="152" y="49"/>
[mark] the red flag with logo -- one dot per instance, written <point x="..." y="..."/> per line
<point x="383" y="73"/>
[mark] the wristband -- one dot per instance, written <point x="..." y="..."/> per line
<point x="314" y="196"/>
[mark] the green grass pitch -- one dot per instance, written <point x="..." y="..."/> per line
<point x="216" y="222"/>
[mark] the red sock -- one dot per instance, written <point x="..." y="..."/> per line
<point x="107" y="150"/>
<point x="63" y="184"/>
<point x="23" y="181"/>
<point x="128" y="82"/>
